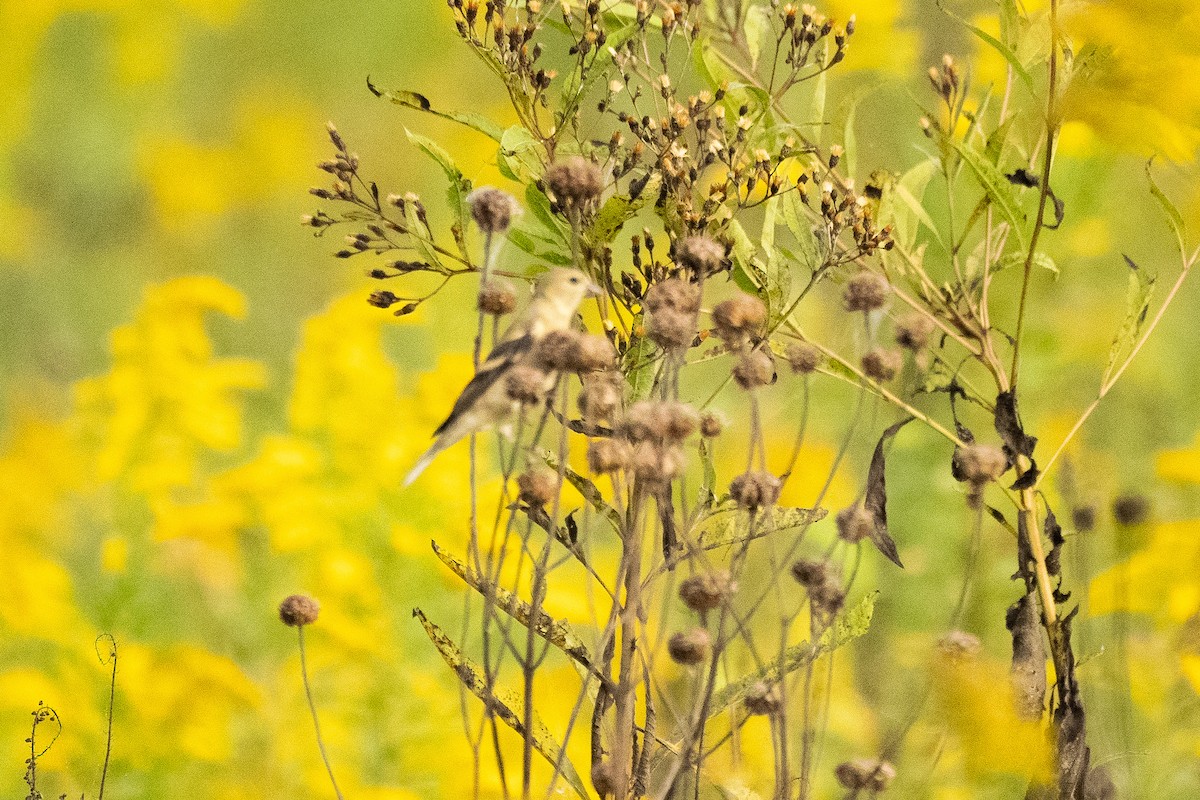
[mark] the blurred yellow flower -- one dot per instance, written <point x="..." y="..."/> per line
<point x="1161" y="581"/>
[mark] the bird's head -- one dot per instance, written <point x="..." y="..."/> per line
<point x="566" y="288"/>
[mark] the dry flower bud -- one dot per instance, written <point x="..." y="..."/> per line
<point x="673" y="294"/>
<point x="865" y="774"/>
<point x="738" y="317"/>
<point x="671" y="329"/>
<point x="1131" y="509"/>
<point x="702" y="255"/>
<point x="681" y="421"/>
<point x="804" y="357"/>
<point x="762" y="699"/>
<point x="881" y="365"/>
<point x="711" y="425"/>
<point x="497" y="298"/>
<point x="574" y="181"/>
<point x="960" y="645"/>
<point x="913" y="331"/>
<point x="754" y="369"/>
<point x="656" y="420"/>
<point x="492" y="209"/>
<point x="606" y="456"/>
<point x="866" y="291"/>
<point x="526" y="385"/>
<point x="299" y="609"/>
<point x="979" y="464"/>
<point x="706" y="591"/>
<point x="538" y="488"/>
<point x="571" y="351"/>
<point x="602" y="396"/>
<point x="656" y="466"/>
<point x="753" y="490"/>
<point x="1084" y="518"/>
<point x="855" y="523"/>
<point x="690" y="647"/>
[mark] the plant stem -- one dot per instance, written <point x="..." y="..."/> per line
<point x="312" y="707"/>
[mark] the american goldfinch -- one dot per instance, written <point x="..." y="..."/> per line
<point x="486" y="401"/>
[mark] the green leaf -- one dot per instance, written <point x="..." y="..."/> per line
<point x="903" y="199"/>
<point x="522" y="157"/>
<point x="460" y="187"/>
<point x="795" y="216"/>
<point x="1000" y="47"/>
<point x="849" y="627"/>
<point x="735" y="529"/>
<point x="617" y="210"/>
<point x="1040" y="260"/>
<point x="1174" y="219"/>
<point x="1137" y="306"/>
<point x="777" y="276"/>
<point x="419" y="102"/>
<point x="709" y="471"/>
<point x="998" y="188"/>
<point x="538" y="248"/>
<point x="757" y="28"/>
<point x="640" y="367"/>
<point x="504" y="703"/>
<point x="555" y="631"/>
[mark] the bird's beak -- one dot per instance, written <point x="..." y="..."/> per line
<point x="594" y="290"/>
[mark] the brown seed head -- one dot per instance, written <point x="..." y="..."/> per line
<point x="754" y="369"/>
<point x="682" y="421"/>
<point x="537" y="488"/>
<point x="881" y="365"/>
<point x="753" y="490"/>
<point x="497" y="298"/>
<point x="602" y="396"/>
<point x="980" y="464"/>
<point x="526" y="384"/>
<point x="606" y="456"/>
<point x="656" y="466"/>
<point x="1131" y="509"/>
<point x="674" y="294"/>
<point x="706" y="591"/>
<point x="572" y="351"/>
<point x="804" y="357"/>
<point x="960" y="645"/>
<point x="711" y="425"/>
<point x="738" y="318"/>
<point x="492" y="209"/>
<point x="855" y="523"/>
<point x="299" y="609"/>
<point x="574" y="181"/>
<point x="690" y="647"/>
<point x="913" y="331"/>
<point x="866" y="291"/>
<point x="865" y="774"/>
<point x="763" y="699"/>
<point x="645" y="420"/>
<point x="700" y="254"/>
<point x="671" y="329"/>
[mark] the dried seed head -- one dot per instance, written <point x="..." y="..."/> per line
<point x="980" y="464"/>
<point x="497" y="298"/>
<point x="595" y="353"/>
<point x="913" y="331"/>
<point x="823" y="586"/>
<point x="754" y="369"/>
<point x="299" y="609"/>
<point x="690" y="647"/>
<point x="881" y="365"/>
<point x="656" y="466"/>
<point x="526" y="384"/>
<point x="1131" y="509"/>
<point x="537" y="488"/>
<point x="810" y="573"/>
<point x="674" y="294"/>
<point x="804" y="357"/>
<point x="866" y="291"/>
<point x="865" y="774"/>
<point x="960" y="645"/>
<point x="711" y="425"/>
<point x="492" y="209"/>
<point x="753" y="490"/>
<point x="606" y="456"/>
<point x="671" y="329"/>
<point x="763" y="699"/>
<point x="574" y="181"/>
<point x="707" y="591"/>
<point x="738" y="318"/>
<point x="682" y="421"/>
<point x="602" y="396"/>
<point x="571" y="351"/>
<point x="702" y="255"/>
<point x="855" y="523"/>
<point x="644" y="421"/>
<point x="1084" y="518"/>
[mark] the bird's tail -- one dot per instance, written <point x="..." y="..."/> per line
<point x="425" y="460"/>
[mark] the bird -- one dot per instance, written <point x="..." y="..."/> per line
<point x="484" y="401"/>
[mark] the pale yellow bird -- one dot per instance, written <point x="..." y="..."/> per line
<point x="485" y="402"/>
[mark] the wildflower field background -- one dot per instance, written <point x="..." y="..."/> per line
<point x="201" y="414"/>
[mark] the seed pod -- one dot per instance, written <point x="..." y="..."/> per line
<point x="675" y="294"/>
<point x="855" y="523"/>
<point x="738" y="318"/>
<point x="299" y="609"/>
<point x="526" y="384"/>
<point x="804" y="357"/>
<point x="606" y="456"/>
<point x="492" y="209"/>
<point x="979" y="464"/>
<point x="1131" y="509"/>
<point x="497" y="298"/>
<point x="706" y="591"/>
<point x="711" y="426"/>
<point x="702" y="255"/>
<point x="866" y="291"/>
<point x="882" y="365"/>
<point x="602" y="396"/>
<point x="762" y="699"/>
<point x="754" y="369"/>
<point x="913" y="331"/>
<point x="690" y="647"/>
<point x="538" y="488"/>
<point x="574" y="181"/>
<point x="865" y="774"/>
<point x="753" y="490"/>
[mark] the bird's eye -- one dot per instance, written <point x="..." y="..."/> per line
<point x="575" y="279"/>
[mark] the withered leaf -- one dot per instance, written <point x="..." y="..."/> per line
<point x="1008" y="425"/>
<point x="875" y="501"/>
<point x="1029" y="657"/>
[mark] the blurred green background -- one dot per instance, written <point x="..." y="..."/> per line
<point x="168" y="474"/>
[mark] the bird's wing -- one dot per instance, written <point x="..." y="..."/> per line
<point x="503" y="356"/>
